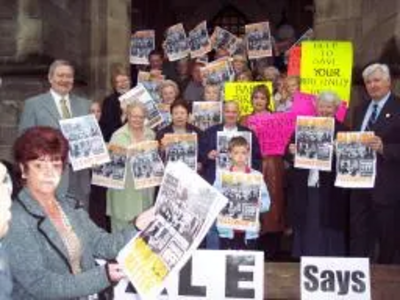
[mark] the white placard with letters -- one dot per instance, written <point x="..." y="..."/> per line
<point x="335" y="278"/>
<point x="210" y="274"/>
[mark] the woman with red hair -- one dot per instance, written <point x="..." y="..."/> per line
<point x="51" y="245"/>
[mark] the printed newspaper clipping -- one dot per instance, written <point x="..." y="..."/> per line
<point x="217" y="72"/>
<point x="259" y="43"/>
<point x="199" y="41"/>
<point x="181" y="147"/>
<point x="176" y="44"/>
<point x="142" y="43"/>
<point x="207" y="114"/>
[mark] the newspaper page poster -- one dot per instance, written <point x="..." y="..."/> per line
<point x="212" y="271"/>
<point x="152" y="81"/>
<point x="223" y="139"/>
<point x="112" y="174"/>
<point x="244" y="197"/>
<point x="217" y="72"/>
<point x="181" y="147"/>
<point x="314" y="143"/>
<point x="146" y="164"/>
<point x="140" y="94"/>
<point x="186" y="207"/>
<point x="199" y="41"/>
<point x="355" y="162"/>
<point x="165" y="111"/>
<point x="207" y="114"/>
<point x="142" y="43"/>
<point x="223" y="39"/>
<point x="259" y="42"/>
<point x="86" y="142"/>
<point x="176" y="44"/>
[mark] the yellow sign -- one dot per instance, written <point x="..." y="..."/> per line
<point x="240" y="92"/>
<point x="326" y="66"/>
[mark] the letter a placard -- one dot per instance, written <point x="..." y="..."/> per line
<point x="327" y="278"/>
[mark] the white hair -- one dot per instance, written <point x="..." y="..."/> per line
<point x="368" y="71"/>
<point x="329" y="97"/>
<point x="58" y="63"/>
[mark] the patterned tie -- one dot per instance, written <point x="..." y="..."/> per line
<point x="373" y="116"/>
<point x="64" y="109"/>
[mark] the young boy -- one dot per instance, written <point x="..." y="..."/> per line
<point x="239" y="151"/>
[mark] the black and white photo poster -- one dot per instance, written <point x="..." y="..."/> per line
<point x="181" y="147"/>
<point x="258" y="39"/>
<point x="223" y="139"/>
<point x="355" y="162"/>
<point x="199" y="40"/>
<point x="223" y="39"/>
<point x="218" y="72"/>
<point x="207" y="113"/>
<point x="86" y="143"/>
<point x="142" y="43"/>
<point x="176" y="44"/>
<point x="314" y="143"/>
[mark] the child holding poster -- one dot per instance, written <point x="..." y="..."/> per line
<point x="254" y="199"/>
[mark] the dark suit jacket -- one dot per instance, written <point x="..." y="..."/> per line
<point x="209" y="143"/>
<point x="334" y="201"/>
<point x="111" y="114"/>
<point x="387" y="127"/>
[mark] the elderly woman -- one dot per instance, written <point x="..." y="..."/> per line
<point x="124" y="205"/>
<point x="168" y="91"/>
<point x="244" y="76"/>
<point x="239" y="63"/>
<point x="319" y="208"/>
<point x="291" y="85"/>
<point x="51" y="245"/>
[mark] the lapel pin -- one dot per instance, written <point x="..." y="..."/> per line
<point x="387" y="116"/>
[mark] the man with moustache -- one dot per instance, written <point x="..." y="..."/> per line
<point x="47" y="110"/>
<point x="375" y="212"/>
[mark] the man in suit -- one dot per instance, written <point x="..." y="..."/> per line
<point x="375" y="213"/>
<point x="48" y="109"/>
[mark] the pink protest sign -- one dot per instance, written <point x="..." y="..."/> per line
<point x="273" y="131"/>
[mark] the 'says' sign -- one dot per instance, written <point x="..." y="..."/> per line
<point x="335" y="278"/>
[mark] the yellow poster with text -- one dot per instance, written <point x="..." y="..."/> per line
<point x="240" y="92"/>
<point x="326" y="66"/>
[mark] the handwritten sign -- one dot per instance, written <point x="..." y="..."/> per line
<point x="273" y="131"/>
<point x="294" y="61"/>
<point x="240" y="92"/>
<point x="326" y="66"/>
<point x="335" y="278"/>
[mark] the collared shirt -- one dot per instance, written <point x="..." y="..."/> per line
<point x="57" y="98"/>
<point x="313" y="178"/>
<point x="230" y="129"/>
<point x="380" y="103"/>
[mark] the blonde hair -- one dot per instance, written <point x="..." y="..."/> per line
<point x="134" y="105"/>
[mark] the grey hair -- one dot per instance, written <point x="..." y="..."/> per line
<point x="58" y="63"/>
<point x="329" y="97"/>
<point x="368" y="71"/>
<point x="136" y="104"/>
<point x="167" y="83"/>
<point x="273" y="70"/>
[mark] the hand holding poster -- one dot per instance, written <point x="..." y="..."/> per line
<point x="244" y="200"/>
<point x="112" y="174"/>
<point x="223" y="39"/>
<point x="181" y="147"/>
<point x="314" y="143"/>
<point x="147" y="166"/>
<point x="258" y="37"/>
<point x="86" y="142"/>
<point x="199" y="41"/>
<point x="355" y="161"/>
<point x="240" y="92"/>
<point x="217" y="72"/>
<point x="326" y="66"/>
<point x="176" y="45"/>
<point x="142" y="43"/>
<point x="223" y="139"/>
<point x="207" y="114"/>
<point x="140" y="94"/>
<point x="186" y="207"/>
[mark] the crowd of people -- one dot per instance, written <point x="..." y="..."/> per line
<point x="53" y="237"/>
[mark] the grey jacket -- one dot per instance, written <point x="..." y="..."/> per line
<point x="38" y="257"/>
<point x="41" y="110"/>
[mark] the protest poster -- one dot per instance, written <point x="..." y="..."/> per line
<point x="273" y="131"/>
<point x="314" y="143"/>
<point x="140" y="94"/>
<point x="165" y="111"/>
<point x="223" y="139"/>
<point x="355" y="162"/>
<point x="294" y="61"/>
<point x="306" y="36"/>
<point x="185" y="209"/>
<point x="112" y="174"/>
<point x="181" y="147"/>
<point x="151" y="81"/>
<point x="142" y="43"/>
<point x="326" y="66"/>
<point x="199" y="41"/>
<point x="223" y="39"/>
<point x="258" y="39"/>
<point x="86" y="142"/>
<point x="176" y="44"/>
<point x="240" y="92"/>
<point x="327" y="278"/>
<point x="146" y="164"/>
<point x="217" y="72"/>
<point x="207" y="113"/>
<point x="211" y="275"/>
<point x="243" y="191"/>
